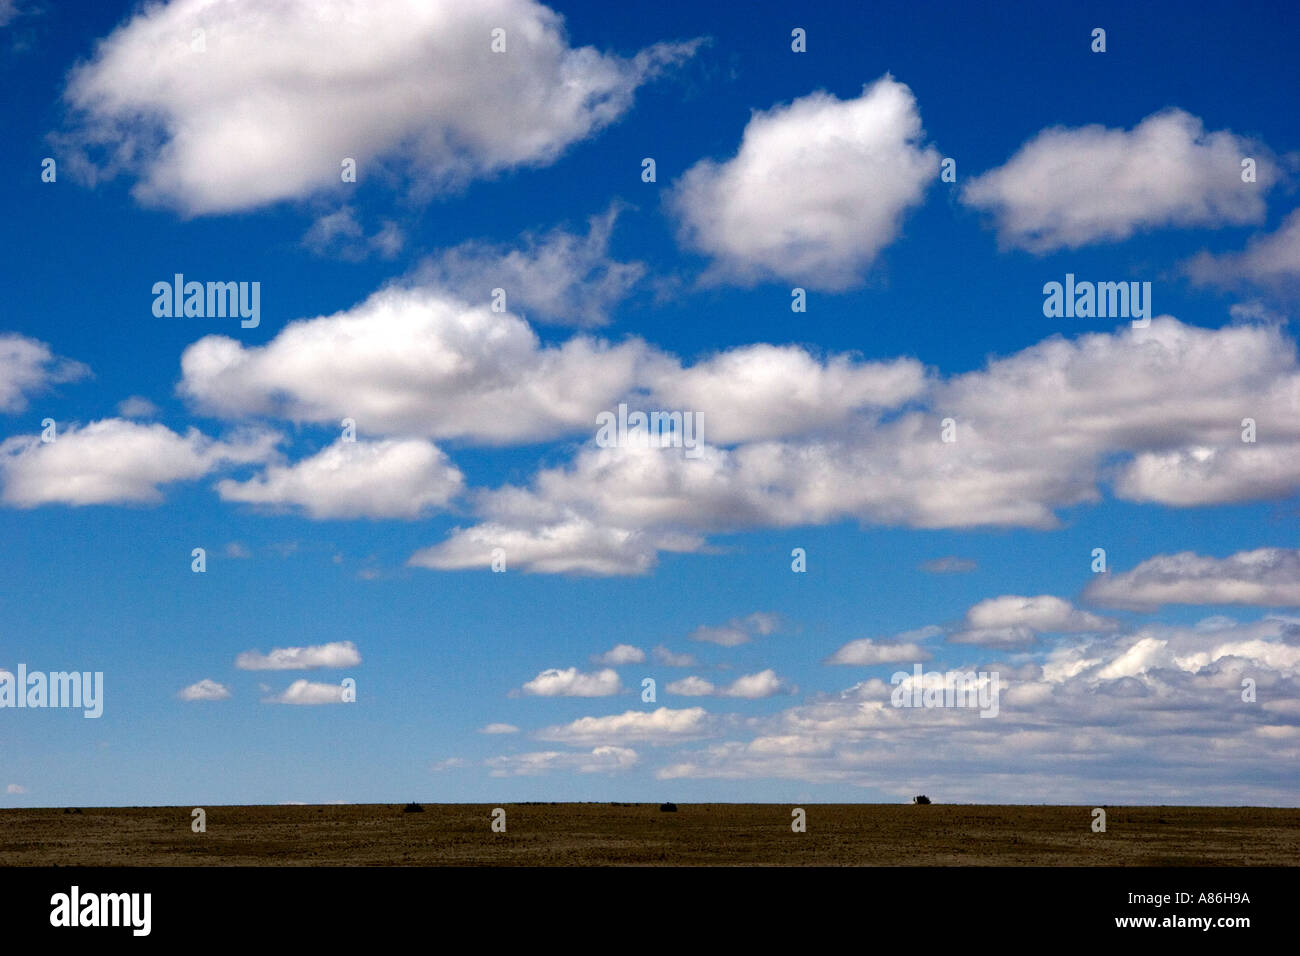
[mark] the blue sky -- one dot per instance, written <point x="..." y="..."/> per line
<point x="216" y="155"/>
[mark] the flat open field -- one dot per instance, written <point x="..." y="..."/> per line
<point x="599" y="834"/>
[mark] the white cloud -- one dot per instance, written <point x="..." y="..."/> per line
<point x="816" y="190"/>
<point x="1270" y="260"/>
<point x="1149" y="717"/>
<point x="570" y="682"/>
<point x="334" y="654"/>
<point x="691" y="687"/>
<point x="765" y="683"/>
<point x="1039" y="430"/>
<point x="405" y="89"/>
<point x="566" y="547"/>
<point x="28" y="367"/>
<point x="756" y="392"/>
<point x="600" y="760"/>
<point x="499" y="729"/>
<point x="671" y="659"/>
<point x="621" y="654"/>
<point x="340" y="235"/>
<point x="558" y="277"/>
<point x="137" y="406"/>
<point x="237" y="551"/>
<point x="115" y="461"/>
<point x="649" y="726"/>
<point x="739" y="630"/>
<point x="1067" y="188"/>
<point x="1044" y="613"/>
<point x="206" y="689"/>
<point x="866" y="652"/>
<point x="356" y="479"/>
<point x="416" y="362"/>
<point x="307" y="693"/>
<point x="14" y="788"/>
<point x="1265" y="577"/>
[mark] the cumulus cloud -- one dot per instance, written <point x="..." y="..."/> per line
<point x="557" y="277"/>
<point x="691" y="687"/>
<point x="1269" y="260"/>
<point x="334" y="654"/>
<point x="1264" y="577"/>
<point x="1045" y="613"/>
<point x="115" y="461"/>
<point x="206" y="689"/>
<point x="356" y="479"/>
<point x="565" y="547"/>
<point x="672" y="659"/>
<point x="28" y="367"/>
<point x="294" y="89"/>
<point x="654" y="727"/>
<point x="1039" y="430"/>
<point x="416" y="361"/>
<point x="757" y="392"/>
<point x="817" y="189"/>
<point x="621" y="654"/>
<point x="866" y="651"/>
<point x="1150" y="716"/>
<point x="307" y="693"/>
<point x="600" y="760"/>
<point x="1071" y="187"/>
<point x="765" y="683"/>
<point x="570" y="682"/>
<point x="739" y="630"/>
<point x="1012" y="621"/>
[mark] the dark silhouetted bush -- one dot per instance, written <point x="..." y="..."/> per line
<point x="668" y="808"/>
<point x="921" y="799"/>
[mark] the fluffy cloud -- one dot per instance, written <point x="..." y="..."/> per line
<point x="1270" y="260"/>
<point x="866" y="652"/>
<point x="416" y="361"/>
<point x="559" y="277"/>
<point x="1265" y="577"/>
<point x="294" y="88"/>
<point x="383" y="479"/>
<point x="115" y="461"/>
<point x="756" y="392"/>
<point x="307" y="693"/>
<point x="28" y="366"/>
<point x="335" y="654"/>
<point x="648" y="726"/>
<point x="1012" y="621"/>
<point x="1044" y="613"/>
<point x="621" y="654"/>
<point x="1067" y="188"/>
<point x="206" y="689"/>
<point x="691" y="687"/>
<point x="816" y="190"/>
<point x="1038" y="430"/>
<point x="570" y="682"/>
<point x="1151" y="716"/>
<point x="765" y="683"/>
<point x="600" y="760"/>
